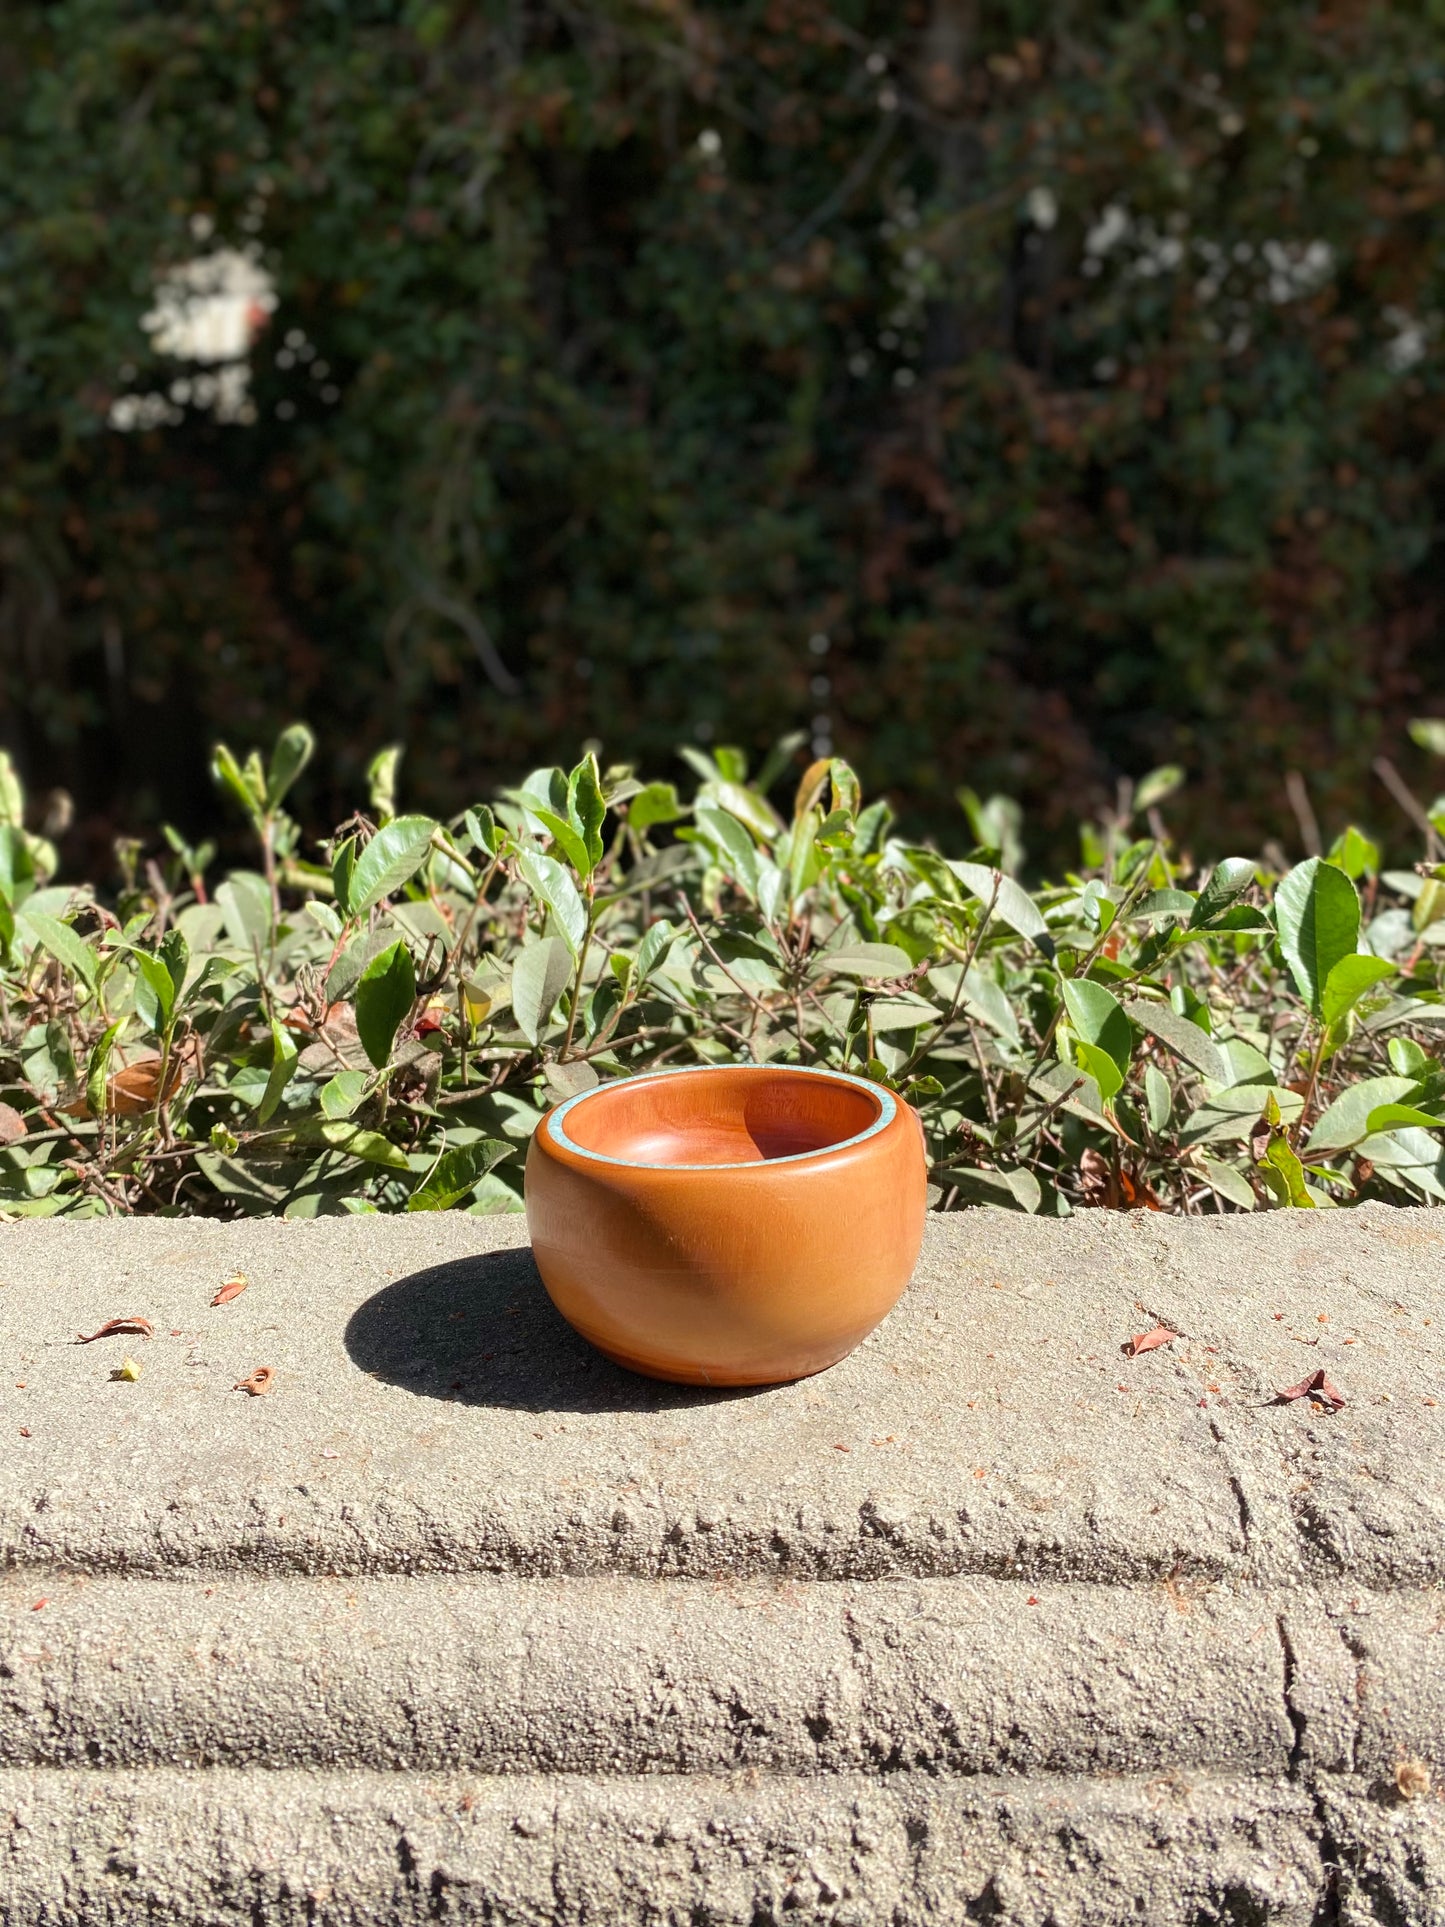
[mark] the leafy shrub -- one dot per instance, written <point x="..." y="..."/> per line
<point x="1075" y="371"/>
<point x="381" y="1030"/>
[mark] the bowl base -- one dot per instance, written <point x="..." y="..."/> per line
<point x="721" y="1381"/>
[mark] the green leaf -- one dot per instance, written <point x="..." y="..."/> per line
<point x="540" y="973"/>
<point x="384" y="998"/>
<point x="586" y="807"/>
<point x="755" y="812"/>
<point x="734" y="848"/>
<point x="1181" y="1034"/>
<point x="778" y="759"/>
<point x="1407" y="1059"/>
<point x="175" y="953"/>
<point x="481" y="829"/>
<point x="865" y="960"/>
<point x="61" y="941"/>
<point x="343" y="872"/>
<point x="340" y="1097"/>
<point x="355" y="1143"/>
<point x="1229" y="1183"/>
<point x="98" y="1072"/>
<point x="1355" y="853"/>
<point x="12" y="794"/>
<point x="656" y="941"/>
<point x="1398" y="1117"/>
<point x="1347" y="1120"/>
<point x="571" y="842"/>
<point x="1101" y="1067"/>
<point x="1012" y="904"/>
<point x="1348" y="981"/>
<point x="1429" y="733"/>
<point x="1233" y="875"/>
<point x="390" y="859"/>
<point x="245" y="903"/>
<point x="901" y="1013"/>
<point x="1097" y="1019"/>
<point x="381" y="782"/>
<point x="294" y="749"/>
<point x="657" y="803"/>
<point x="1157" y="785"/>
<point x="155" y="992"/>
<point x="456" y="1172"/>
<point x="1318" y="913"/>
<point x="284" y="1054"/>
<point x="1280" y="1159"/>
<point x="549" y="882"/>
<point x="1161" y="903"/>
<point x="244" y="785"/>
<point x="17" y="862"/>
<point x="1158" y="1099"/>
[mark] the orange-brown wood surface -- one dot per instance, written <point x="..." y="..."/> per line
<point x="730" y="1225"/>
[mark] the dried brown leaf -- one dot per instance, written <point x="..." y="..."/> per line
<point x="258" y="1382"/>
<point x="1412" y="1778"/>
<point x="133" y="1090"/>
<point x="114" y="1327"/>
<point x="1147" y="1341"/>
<point x="1317" y="1385"/>
<point x="232" y="1288"/>
<point x="12" y="1125"/>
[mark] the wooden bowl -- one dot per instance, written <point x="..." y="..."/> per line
<point x="730" y="1225"/>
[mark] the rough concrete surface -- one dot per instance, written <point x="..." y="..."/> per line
<point x="460" y="1621"/>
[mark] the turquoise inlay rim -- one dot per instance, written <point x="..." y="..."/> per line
<point x="554" y="1125"/>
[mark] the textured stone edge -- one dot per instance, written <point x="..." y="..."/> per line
<point x="216" y="1848"/>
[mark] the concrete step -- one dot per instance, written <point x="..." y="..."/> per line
<point x="631" y="1676"/>
<point x="232" y="1849"/>
<point x="432" y="1413"/>
<point x="461" y="1622"/>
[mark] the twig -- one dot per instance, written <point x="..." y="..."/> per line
<point x="1397" y="786"/>
<point x="1299" y="801"/>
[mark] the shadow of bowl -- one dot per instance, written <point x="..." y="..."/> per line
<point x="482" y="1331"/>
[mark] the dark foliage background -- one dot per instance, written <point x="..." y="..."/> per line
<point x="665" y="337"/>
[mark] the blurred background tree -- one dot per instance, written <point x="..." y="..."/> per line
<point x="1007" y="395"/>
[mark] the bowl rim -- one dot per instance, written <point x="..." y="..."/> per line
<point x="555" y="1128"/>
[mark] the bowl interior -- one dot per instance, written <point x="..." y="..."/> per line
<point x="721" y="1116"/>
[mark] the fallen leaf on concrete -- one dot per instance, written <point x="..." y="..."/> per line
<point x="1147" y="1341"/>
<point x="232" y="1288"/>
<point x="1412" y="1777"/>
<point x="25" y="1431"/>
<point x="128" y="1370"/>
<point x="113" y="1327"/>
<point x="39" y="1605"/>
<point x="1315" y="1386"/>
<point x="258" y="1382"/>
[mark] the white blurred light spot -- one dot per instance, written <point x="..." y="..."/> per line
<point x="709" y="142"/>
<point x="1042" y="207"/>
<point x="207" y="311"/>
<point x="1108" y="231"/>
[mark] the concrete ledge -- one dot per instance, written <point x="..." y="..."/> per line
<point x="460" y="1621"/>
<point x="229" y="1847"/>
